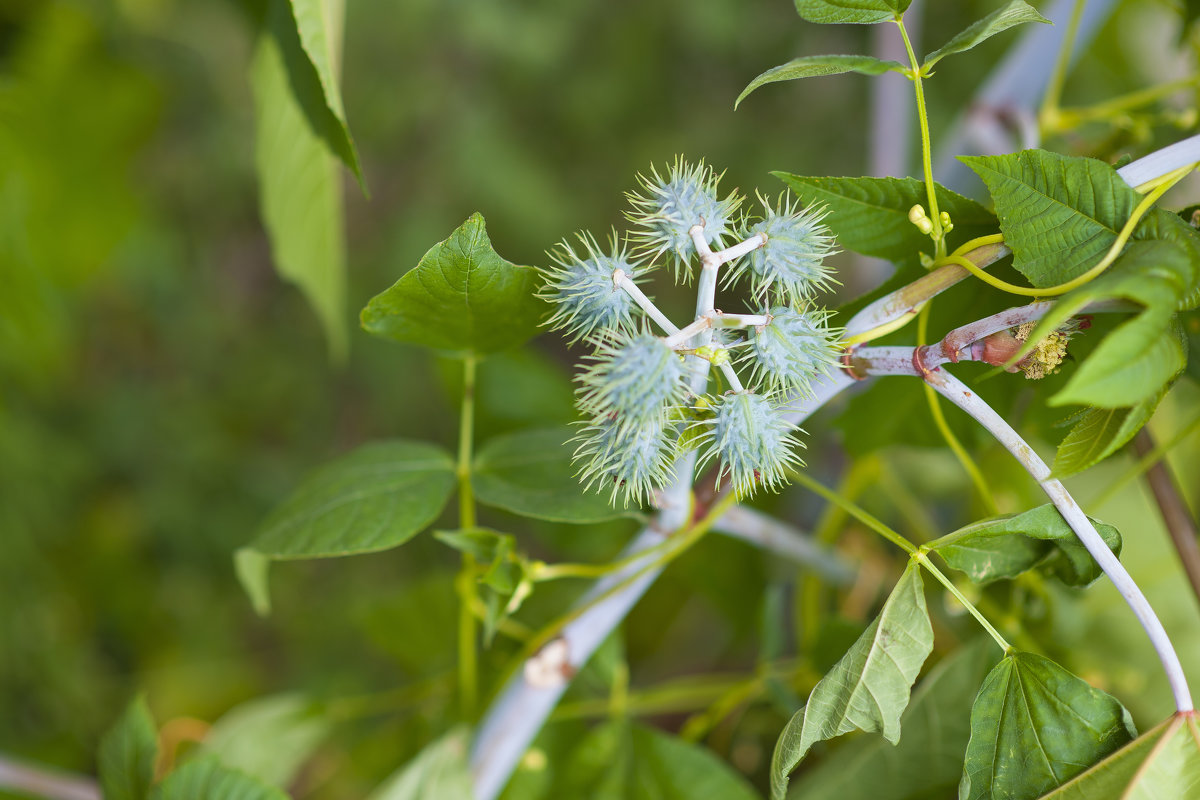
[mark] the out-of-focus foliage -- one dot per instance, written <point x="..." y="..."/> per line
<point x="161" y="388"/>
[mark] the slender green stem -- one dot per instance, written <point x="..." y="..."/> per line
<point x="929" y="566"/>
<point x="468" y="669"/>
<point x="1068" y="118"/>
<point x="549" y="572"/>
<point x="939" y="239"/>
<point x="853" y="510"/>
<point x="939" y="420"/>
<point x="1048" y="114"/>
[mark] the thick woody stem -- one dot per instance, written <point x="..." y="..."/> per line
<point x="741" y="522"/>
<point x="27" y="779"/>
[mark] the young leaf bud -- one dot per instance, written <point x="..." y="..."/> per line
<point x="634" y="377"/>
<point x="669" y="208"/>
<point x="794" y="348"/>
<point x="580" y="287"/>
<point x="751" y="441"/>
<point x="634" y="459"/>
<point x="790" y="266"/>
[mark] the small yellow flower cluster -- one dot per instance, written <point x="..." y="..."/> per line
<point x="1047" y="354"/>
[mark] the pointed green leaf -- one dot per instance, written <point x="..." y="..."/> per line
<point x="439" y="771"/>
<point x="375" y="498"/>
<point x="927" y="761"/>
<point x="870" y="215"/>
<point x="300" y="194"/>
<point x="869" y="688"/>
<point x="320" y="23"/>
<point x="1164" y="762"/>
<point x="206" y="778"/>
<point x="268" y="738"/>
<point x="462" y="297"/>
<point x="1000" y="20"/>
<point x="530" y="473"/>
<point x="1035" y="726"/>
<point x="859" y="12"/>
<point x="127" y="754"/>
<point x="817" y="66"/>
<point x="1099" y="433"/>
<point x="1131" y="365"/>
<point x="622" y="760"/>
<point x="1059" y="214"/>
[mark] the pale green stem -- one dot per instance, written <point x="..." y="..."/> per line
<point x="924" y="561"/>
<point x="1048" y="114"/>
<point x="465" y="581"/>
<point x="939" y="239"/>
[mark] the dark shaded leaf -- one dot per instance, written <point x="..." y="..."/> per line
<point x="817" y="66"/>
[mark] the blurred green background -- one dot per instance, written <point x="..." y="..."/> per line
<point x="161" y="388"/>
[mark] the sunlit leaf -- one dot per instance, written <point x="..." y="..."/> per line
<point x="869" y="688"/>
<point x="817" y="66"/>
<point x="1000" y="20"/>
<point x="439" y="771"/>
<point x="530" y="473"/>
<point x="1035" y="726"/>
<point x="206" y="779"/>
<point x="1059" y="214"/>
<point x="851" y="11"/>
<point x="461" y="297"/>
<point x="870" y="215"/>
<point x="1131" y="365"/>
<point x="269" y="738"/>
<point x="1006" y="546"/>
<point x="127" y="754"/>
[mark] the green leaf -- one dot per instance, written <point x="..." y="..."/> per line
<point x="1059" y="214"/>
<point x="870" y="215"/>
<point x="319" y="23"/>
<point x="860" y="12"/>
<point x="1000" y="20"/>
<point x="375" y="498"/>
<point x="1035" y="726"/>
<point x="206" y="779"/>
<point x="869" y="688"/>
<point x="817" y="66"/>
<point x="462" y="297"/>
<point x="1131" y="365"/>
<point x="1099" y="433"/>
<point x="300" y="195"/>
<point x="1006" y="546"/>
<point x="269" y="738"/>
<point x="622" y="760"/>
<point x="127" y="754"/>
<point x="530" y="473"/>
<point x="505" y="581"/>
<point x="439" y="771"/>
<point x="1164" y="762"/>
<point x="927" y="761"/>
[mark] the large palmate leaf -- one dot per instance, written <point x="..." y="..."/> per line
<point x="1035" y="726"/>
<point x="869" y="688"/>
<point x="206" y="778"/>
<point x="1164" y="762"/>
<point x="1099" y="433"/>
<point x="851" y="11"/>
<point x="622" y="760"/>
<point x="300" y="194"/>
<point x="439" y="771"/>
<point x="817" y="66"/>
<point x="927" y="761"/>
<point x="127" y="754"/>
<point x="530" y="473"/>
<point x="375" y="498"/>
<point x="461" y="297"/>
<point x="269" y="738"/>
<point x="1006" y="546"/>
<point x="319" y="23"/>
<point x="1059" y="214"/>
<point x="870" y="215"/>
<point x="1000" y="20"/>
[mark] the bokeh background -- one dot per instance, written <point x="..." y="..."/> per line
<point x="161" y="388"/>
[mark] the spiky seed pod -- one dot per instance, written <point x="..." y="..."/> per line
<point x="634" y="459"/>
<point x="580" y="287"/>
<point x="790" y="267"/>
<point x="795" y="348"/>
<point x="667" y="210"/>
<point x="634" y="377"/>
<point x="751" y="441"/>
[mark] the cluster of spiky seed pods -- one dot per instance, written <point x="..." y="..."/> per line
<point x="647" y="399"/>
